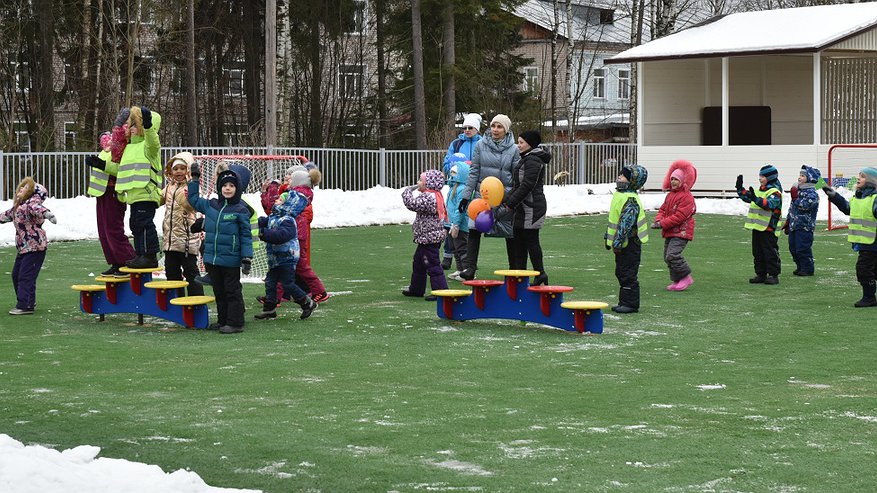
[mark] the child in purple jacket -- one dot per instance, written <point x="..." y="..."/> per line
<point x="429" y="233"/>
<point x="28" y="213"/>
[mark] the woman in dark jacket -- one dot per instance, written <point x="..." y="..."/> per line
<point x="527" y="200"/>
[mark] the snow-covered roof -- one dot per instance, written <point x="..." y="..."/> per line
<point x="541" y="13"/>
<point x="796" y="30"/>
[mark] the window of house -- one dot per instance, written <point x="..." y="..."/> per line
<point x="531" y="79"/>
<point x="350" y="81"/>
<point x="22" y="75"/>
<point x="356" y="23"/>
<point x="235" y="77"/>
<point x="69" y="136"/>
<point x="236" y="134"/>
<point x="69" y="75"/>
<point x="624" y="84"/>
<point x="607" y="16"/>
<point x="22" y="137"/>
<point x="598" y="79"/>
<point x="143" y="75"/>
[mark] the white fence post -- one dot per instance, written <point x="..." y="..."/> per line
<point x="382" y="167"/>
<point x="580" y="165"/>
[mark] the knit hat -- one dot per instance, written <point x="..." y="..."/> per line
<point x="678" y="174"/>
<point x="811" y="174"/>
<point x="316" y="176"/>
<point x="503" y="120"/>
<point x="228" y="177"/>
<point x="769" y="172"/>
<point x="301" y="178"/>
<point x="104" y="139"/>
<point x="531" y="137"/>
<point x="870" y="175"/>
<point x="472" y="120"/>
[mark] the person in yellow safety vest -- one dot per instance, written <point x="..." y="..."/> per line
<point x="862" y="209"/>
<point x="139" y="181"/>
<point x="765" y="207"/>
<point x="110" y="210"/>
<point x="627" y="230"/>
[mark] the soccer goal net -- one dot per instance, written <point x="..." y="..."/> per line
<point x="844" y="163"/>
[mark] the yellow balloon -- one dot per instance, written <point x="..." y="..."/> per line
<point x="476" y="207"/>
<point x="492" y="190"/>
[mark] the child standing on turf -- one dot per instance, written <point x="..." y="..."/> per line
<point x="628" y="229"/>
<point x="862" y="209"/>
<point x="765" y="207"/>
<point x="304" y="182"/>
<point x="428" y="233"/>
<point x="28" y="213"/>
<point x="801" y="221"/>
<point x="228" y="242"/>
<point x="458" y="222"/>
<point x="179" y="243"/>
<point x="675" y="219"/>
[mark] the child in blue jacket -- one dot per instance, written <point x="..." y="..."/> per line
<point x="765" y="207"/>
<point x="280" y="234"/>
<point x="228" y="242"/>
<point x="458" y="222"/>
<point x="801" y="220"/>
<point x="862" y="209"/>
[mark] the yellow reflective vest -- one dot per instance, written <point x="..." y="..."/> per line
<point x="863" y="224"/>
<point x="615" y="209"/>
<point x="139" y="178"/>
<point x="758" y="218"/>
<point x="99" y="179"/>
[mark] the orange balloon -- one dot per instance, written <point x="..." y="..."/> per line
<point x="492" y="190"/>
<point x="476" y="207"/>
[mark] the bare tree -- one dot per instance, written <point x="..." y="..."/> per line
<point x="449" y="95"/>
<point x="417" y="62"/>
<point x="191" y="107"/>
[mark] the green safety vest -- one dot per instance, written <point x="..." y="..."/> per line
<point x="642" y="225"/>
<point x="863" y="224"/>
<point x="99" y="179"/>
<point x="758" y="218"/>
<point x="254" y="223"/>
<point x="139" y="178"/>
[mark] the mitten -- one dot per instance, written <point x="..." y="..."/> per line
<point x="197" y="226"/>
<point x="464" y="204"/>
<point x="195" y="171"/>
<point x="147" y="117"/>
<point x="263" y="222"/>
<point x="51" y="217"/>
<point x="794" y="193"/>
<point x="246" y="265"/>
<point x="739" y="185"/>
<point x="122" y="117"/>
<point x="455" y="230"/>
<point x="95" y="162"/>
<point x="656" y="225"/>
<point x="786" y="227"/>
<point x="606" y="237"/>
<point x="751" y="194"/>
<point x="829" y="191"/>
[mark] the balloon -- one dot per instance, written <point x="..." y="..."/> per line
<point x="477" y="206"/>
<point x="492" y="190"/>
<point x="484" y="221"/>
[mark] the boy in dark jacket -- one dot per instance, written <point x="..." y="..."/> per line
<point x="765" y="207"/>
<point x="862" y="209"/>
<point x="428" y="233"/>
<point x="228" y="242"/>
<point x="627" y="230"/>
<point x="801" y="221"/>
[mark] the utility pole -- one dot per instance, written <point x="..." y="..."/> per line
<point x="270" y="74"/>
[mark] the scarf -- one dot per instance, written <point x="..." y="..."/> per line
<point x="439" y="204"/>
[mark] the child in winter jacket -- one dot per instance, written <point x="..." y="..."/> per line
<point x="279" y="232"/>
<point x="801" y="220"/>
<point x="862" y="209"/>
<point x="765" y="207"/>
<point x="228" y="242"/>
<point x="428" y="233"/>
<point x="28" y="213"/>
<point x="179" y="244"/>
<point x="627" y="230"/>
<point x="675" y="219"/>
<point x="303" y="183"/>
<point x="458" y="221"/>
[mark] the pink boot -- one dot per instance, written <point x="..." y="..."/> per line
<point x="672" y="286"/>
<point x="683" y="283"/>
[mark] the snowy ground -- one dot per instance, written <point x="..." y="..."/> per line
<point x="36" y="469"/>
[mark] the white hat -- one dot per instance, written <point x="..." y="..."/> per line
<point x="472" y="120"/>
<point x="503" y="120"/>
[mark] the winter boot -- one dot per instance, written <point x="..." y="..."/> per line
<point x="147" y="261"/>
<point x="110" y="271"/>
<point x="540" y="280"/>
<point x="228" y="329"/>
<point x="771" y="280"/>
<point x="868" y="296"/>
<point x="682" y="284"/>
<point x="408" y="292"/>
<point x="468" y="274"/>
<point x="446" y="263"/>
<point x="758" y="279"/>
<point x="269" y="310"/>
<point x="307" y="306"/>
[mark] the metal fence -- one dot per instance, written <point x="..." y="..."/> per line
<point x="65" y="174"/>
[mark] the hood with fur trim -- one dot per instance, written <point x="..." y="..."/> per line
<point x="186" y="157"/>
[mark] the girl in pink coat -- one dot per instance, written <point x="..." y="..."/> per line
<point x="675" y="219"/>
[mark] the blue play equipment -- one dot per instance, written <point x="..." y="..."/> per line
<point x="514" y="298"/>
<point x="141" y="295"/>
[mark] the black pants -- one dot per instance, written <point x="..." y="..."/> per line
<point x="474" y="245"/>
<point x="866" y="267"/>
<point x="526" y="242"/>
<point x="766" y="253"/>
<point x="143" y="227"/>
<point x="627" y="272"/>
<point x="179" y="264"/>
<point x="226" y="282"/>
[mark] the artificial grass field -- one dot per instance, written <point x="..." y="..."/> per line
<point x="725" y="387"/>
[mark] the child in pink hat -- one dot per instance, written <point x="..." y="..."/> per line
<point x="675" y="219"/>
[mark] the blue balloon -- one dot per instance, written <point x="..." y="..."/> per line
<point x="484" y="221"/>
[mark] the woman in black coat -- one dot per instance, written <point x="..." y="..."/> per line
<point x="527" y="200"/>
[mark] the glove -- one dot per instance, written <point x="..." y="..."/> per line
<point x="263" y="222"/>
<point x="786" y="227"/>
<point x="829" y="191"/>
<point x="739" y="185"/>
<point x="656" y="225"/>
<point x="455" y="230"/>
<point x="197" y="226"/>
<point x="147" y="117"/>
<point x="751" y="194"/>
<point x="616" y="251"/>
<point x="464" y="204"/>
<point x="95" y="162"/>
<point x="246" y="265"/>
<point x="51" y="217"/>
<point x="794" y="193"/>
<point x="195" y="171"/>
<point x="122" y="117"/>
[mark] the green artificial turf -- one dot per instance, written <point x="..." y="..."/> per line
<point x="725" y="387"/>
